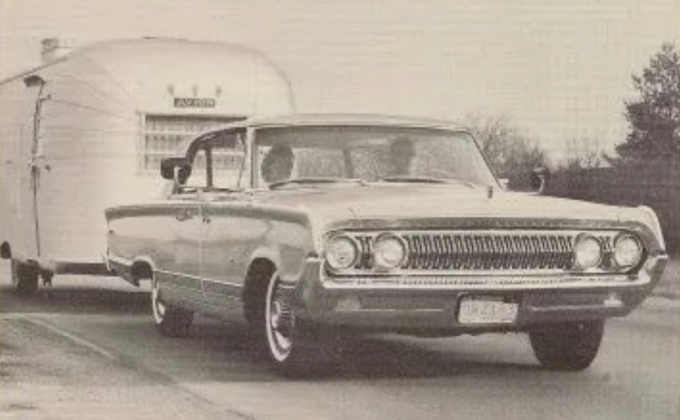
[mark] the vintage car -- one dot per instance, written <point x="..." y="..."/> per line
<point x="311" y="226"/>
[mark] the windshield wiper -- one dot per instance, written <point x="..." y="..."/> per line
<point x="314" y="181"/>
<point x="424" y="180"/>
<point x="413" y="179"/>
<point x="221" y="189"/>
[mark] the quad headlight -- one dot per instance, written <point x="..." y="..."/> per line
<point x="627" y="251"/>
<point x="389" y="251"/>
<point x="341" y="252"/>
<point x="587" y="252"/>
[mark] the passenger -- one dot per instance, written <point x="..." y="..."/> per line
<point x="277" y="165"/>
<point x="401" y="156"/>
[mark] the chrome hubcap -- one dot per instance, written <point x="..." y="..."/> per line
<point x="280" y="321"/>
<point x="156" y="304"/>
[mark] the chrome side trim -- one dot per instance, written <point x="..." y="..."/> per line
<point x="173" y="273"/>
<point x="128" y="263"/>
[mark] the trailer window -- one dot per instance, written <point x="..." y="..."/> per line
<point x="163" y="135"/>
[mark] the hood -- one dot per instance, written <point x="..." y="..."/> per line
<point x="408" y="201"/>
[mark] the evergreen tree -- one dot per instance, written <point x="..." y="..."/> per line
<point x="654" y="115"/>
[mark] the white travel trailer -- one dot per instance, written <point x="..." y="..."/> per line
<point x="88" y="130"/>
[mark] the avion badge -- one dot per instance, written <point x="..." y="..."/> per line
<point x="195" y="103"/>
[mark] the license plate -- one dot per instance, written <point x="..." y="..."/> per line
<point x="474" y="310"/>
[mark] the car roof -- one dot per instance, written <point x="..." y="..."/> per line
<point x="342" y="119"/>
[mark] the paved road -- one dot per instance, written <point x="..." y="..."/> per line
<point x="86" y="350"/>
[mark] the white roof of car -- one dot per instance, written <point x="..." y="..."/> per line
<point x="344" y="119"/>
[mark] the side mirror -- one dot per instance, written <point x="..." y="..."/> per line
<point x="540" y="176"/>
<point x="177" y="169"/>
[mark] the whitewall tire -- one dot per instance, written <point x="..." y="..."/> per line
<point x="169" y="320"/>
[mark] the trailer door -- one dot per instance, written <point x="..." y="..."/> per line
<point x="36" y="159"/>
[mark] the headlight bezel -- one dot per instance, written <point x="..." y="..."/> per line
<point x="617" y="240"/>
<point x="384" y="238"/>
<point x="581" y="238"/>
<point x="328" y="255"/>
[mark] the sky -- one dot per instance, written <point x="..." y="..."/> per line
<point x="557" y="70"/>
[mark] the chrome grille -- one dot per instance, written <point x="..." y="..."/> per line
<point x="480" y="250"/>
<point x="488" y="251"/>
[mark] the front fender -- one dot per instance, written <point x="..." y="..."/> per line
<point x="646" y="222"/>
<point x="290" y="263"/>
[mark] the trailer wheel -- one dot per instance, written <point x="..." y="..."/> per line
<point x="24" y="278"/>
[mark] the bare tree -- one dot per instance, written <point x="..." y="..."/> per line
<point x="582" y="153"/>
<point x="511" y="154"/>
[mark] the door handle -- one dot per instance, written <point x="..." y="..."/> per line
<point x="183" y="215"/>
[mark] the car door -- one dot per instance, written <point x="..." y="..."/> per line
<point x="222" y="248"/>
<point x="228" y="243"/>
<point x="184" y="272"/>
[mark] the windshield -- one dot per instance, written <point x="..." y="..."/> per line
<point x="325" y="154"/>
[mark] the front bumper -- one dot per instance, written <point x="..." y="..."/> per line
<point x="434" y="310"/>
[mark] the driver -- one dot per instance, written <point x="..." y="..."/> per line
<point x="402" y="152"/>
<point x="277" y="165"/>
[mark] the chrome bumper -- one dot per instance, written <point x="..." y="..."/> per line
<point x="420" y="305"/>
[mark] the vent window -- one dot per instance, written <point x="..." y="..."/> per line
<point x="163" y="135"/>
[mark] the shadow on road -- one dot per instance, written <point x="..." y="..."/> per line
<point x="379" y="357"/>
<point x="355" y="357"/>
<point x="74" y="300"/>
<point x="228" y="353"/>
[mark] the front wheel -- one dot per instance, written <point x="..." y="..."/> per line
<point x="24" y="278"/>
<point x="169" y="320"/>
<point x="567" y="346"/>
<point x="290" y="344"/>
